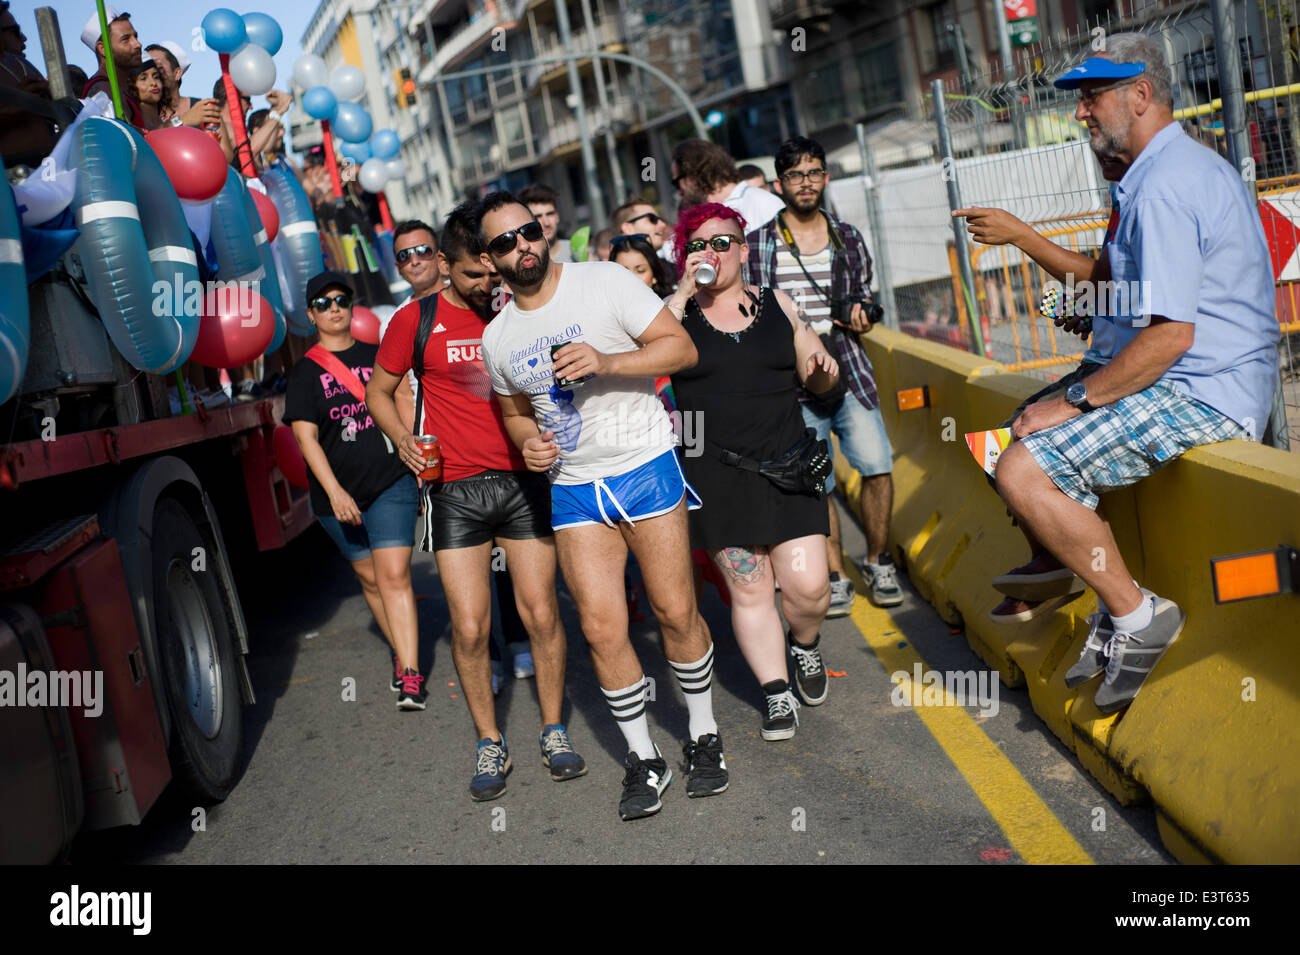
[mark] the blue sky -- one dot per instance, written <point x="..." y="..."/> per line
<point x="157" y="20"/>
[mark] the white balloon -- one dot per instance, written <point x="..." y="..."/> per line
<point x="252" y="69"/>
<point x="395" y="168"/>
<point x="348" y="83"/>
<point x="374" y="174"/>
<point x="310" y="70"/>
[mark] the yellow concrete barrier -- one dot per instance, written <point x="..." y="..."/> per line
<point x="1212" y="738"/>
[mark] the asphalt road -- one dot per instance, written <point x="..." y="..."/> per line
<point x="863" y="780"/>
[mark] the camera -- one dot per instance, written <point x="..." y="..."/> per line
<point x="842" y="309"/>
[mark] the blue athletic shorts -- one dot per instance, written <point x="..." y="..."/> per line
<point x="389" y="521"/>
<point x="654" y="488"/>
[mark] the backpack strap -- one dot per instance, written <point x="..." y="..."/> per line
<point x="428" y="318"/>
<point x="341" y="372"/>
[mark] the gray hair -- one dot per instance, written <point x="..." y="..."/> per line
<point x="1143" y="48"/>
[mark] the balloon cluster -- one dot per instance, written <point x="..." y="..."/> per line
<point x="331" y="97"/>
<point x="250" y="41"/>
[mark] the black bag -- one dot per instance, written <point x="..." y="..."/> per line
<point x="801" y="470"/>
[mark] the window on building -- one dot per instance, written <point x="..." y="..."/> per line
<point x="940" y="16"/>
<point x="881" y="83"/>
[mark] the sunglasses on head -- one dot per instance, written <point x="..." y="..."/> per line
<point x="654" y="219"/>
<point x="618" y="240"/>
<point x="506" y="241"/>
<point x="719" y="243"/>
<point x="322" y="302"/>
<point x="425" y="252"/>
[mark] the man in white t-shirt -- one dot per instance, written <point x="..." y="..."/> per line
<point x="705" y="172"/>
<point x="573" y="358"/>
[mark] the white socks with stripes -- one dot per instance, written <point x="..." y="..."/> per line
<point x="696" y="681"/>
<point x="628" y="707"/>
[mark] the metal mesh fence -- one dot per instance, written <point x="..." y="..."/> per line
<point x="1016" y="146"/>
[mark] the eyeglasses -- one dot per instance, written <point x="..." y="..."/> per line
<point x="623" y="239"/>
<point x="654" y="219"/>
<point x="719" y="243"/>
<point x="322" y="303"/>
<point x="506" y="241"/>
<point x="425" y="252"/>
<point x="796" y="178"/>
<point x="1090" y="97"/>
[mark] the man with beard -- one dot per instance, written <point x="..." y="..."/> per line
<point x="485" y="495"/>
<point x="705" y="172"/>
<point x="126" y="53"/>
<point x="823" y="264"/>
<point x="1195" y="358"/>
<point x="573" y="359"/>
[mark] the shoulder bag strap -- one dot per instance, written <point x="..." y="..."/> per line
<point x="428" y="318"/>
<point x="341" y="372"/>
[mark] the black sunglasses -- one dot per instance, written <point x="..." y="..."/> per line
<point x="621" y="239"/>
<point x="322" y="302"/>
<point x="719" y="243"/>
<point x="654" y="218"/>
<point x="425" y="252"/>
<point x="506" y="241"/>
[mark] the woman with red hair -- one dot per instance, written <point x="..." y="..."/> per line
<point x="752" y="343"/>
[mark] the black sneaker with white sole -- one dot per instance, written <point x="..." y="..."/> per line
<point x="706" y="766"/>
<point x="643" y="784"/>
<point x="782" y="717"/>
<point x="395" y="684"/>
<point x="809" y="670"/>
<point x="413" y="693"/>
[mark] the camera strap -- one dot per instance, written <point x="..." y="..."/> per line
<point x="836" y="247"/>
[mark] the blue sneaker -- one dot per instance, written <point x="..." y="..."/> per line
<point x="558" y="754"/>
<point x="491" y="770"/>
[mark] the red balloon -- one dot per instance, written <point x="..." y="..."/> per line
<point x="192" y="160"/>
<point x="270" y="215"/>
<point x="288" y="456"/>
<point x="365" y="325"/>
<point x="236" y="327"/>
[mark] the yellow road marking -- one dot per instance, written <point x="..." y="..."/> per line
<point x="1031" y="827"/>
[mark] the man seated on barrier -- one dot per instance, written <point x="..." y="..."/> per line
<point x="1195" y="360"/>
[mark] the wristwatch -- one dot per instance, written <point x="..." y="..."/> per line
<point x="1077" y="395"/>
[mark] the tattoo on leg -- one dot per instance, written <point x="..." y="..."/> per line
<point x="742" y="564"/>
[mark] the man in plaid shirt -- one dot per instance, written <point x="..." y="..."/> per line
<point x="823" y="264"/>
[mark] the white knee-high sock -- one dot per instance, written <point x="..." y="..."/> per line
<point x="628" y="707"/>
<point x="696" y="681"/>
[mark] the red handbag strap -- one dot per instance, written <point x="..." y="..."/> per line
<point x="341" y="372"/>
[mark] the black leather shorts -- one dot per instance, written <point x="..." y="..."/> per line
<point x="471" y="511"/>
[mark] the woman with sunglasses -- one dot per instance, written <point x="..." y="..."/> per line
<point x="752" y="343"/>
<point x="362" y="494"/>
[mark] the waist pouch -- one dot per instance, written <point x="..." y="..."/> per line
<point x="801" y="470"/>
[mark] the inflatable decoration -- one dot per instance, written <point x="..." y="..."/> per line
<point x="288" y="456"/>
<point x="365" y="325"/>
<point x="319" y="103"/>
<point x="374" y="174"/>
<point x="351" y="123"/>
<point x="244" y="262"/>
<point x="253" y="70"/>
<point x="395" y="169"/>
<point x="347" y="83"/>
<point x="264" y="31"/>
<point x="15" y="321"/>
<point x="310" y="71"/>
<point x="238" y="325"/>
<point x="267" y="214"/>
<point x="193" y="161"/>
<point x="385" y="144"/>
<point x="298" y="245"/>
<point x="357" y="152"/>
<point x="141" y="269"/>
<point x="224" y="30"/>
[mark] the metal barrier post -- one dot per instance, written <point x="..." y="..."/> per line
<point x="884" y="274"/>
<point x="949" y="172"/>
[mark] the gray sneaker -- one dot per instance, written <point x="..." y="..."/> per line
<point x="883" y="577"/>
<point x="1132" y="656"/>
<point x="1093" y="658"/>
<point x="841" y="597"/>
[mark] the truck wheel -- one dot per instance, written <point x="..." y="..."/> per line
<point x="196" y="656"/>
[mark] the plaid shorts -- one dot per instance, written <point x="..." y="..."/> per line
<point x="1120" y="443"/>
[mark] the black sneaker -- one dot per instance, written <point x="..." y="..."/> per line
<point x="782" y="711"/>
<point x="248" y="390"/>
<point x="395" y="684"/>
<point x="706" y="766"/>
<point x="413" y="693"/>
<point x="809" y="671"/>
<point x="643" y="784"/>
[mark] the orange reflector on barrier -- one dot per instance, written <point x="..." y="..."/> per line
<point x="1261" y="574"/>
<point x="910" y="398"/>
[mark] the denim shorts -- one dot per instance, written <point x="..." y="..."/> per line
<point x="1120" y="443"/>
<point x="650" y="490"/>
<point x="861" y="431"/>
<point x="389" y="521"/>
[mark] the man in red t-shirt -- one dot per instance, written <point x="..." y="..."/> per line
<point x="486" y="495"/>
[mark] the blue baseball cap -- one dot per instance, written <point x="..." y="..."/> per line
<point x="1097" y="68"/>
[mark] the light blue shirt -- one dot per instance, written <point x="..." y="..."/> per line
<point x="1190" y="247"/>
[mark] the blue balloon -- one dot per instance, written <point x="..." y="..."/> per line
<point x="319" y="103"/>
<point x="385" y="144"/>
<point x="357" y="152"/>
<point x="352" y="123"/>
<point x="224" y="30"/>
<point x="264" y="31"/>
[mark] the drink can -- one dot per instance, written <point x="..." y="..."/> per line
<point x="707" y="273"/>
<point x="432" y="451"/>
<point x="564" y="382"/>
<point x="213" y="130"/>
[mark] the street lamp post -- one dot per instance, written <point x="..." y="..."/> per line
<point x="597" y="197"/>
